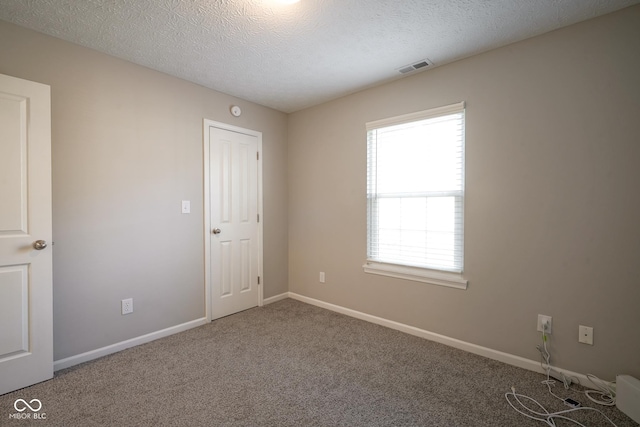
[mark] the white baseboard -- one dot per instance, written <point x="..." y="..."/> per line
<point x="510" y="359"/>
<point x="275" y="298"/>
<point x="500" y="356"/>
<point x="113" y="348"/>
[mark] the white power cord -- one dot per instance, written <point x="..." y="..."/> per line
<point x="546" y="360"/>
<point x="546" y="416"/>
<point x="604" y="391"/>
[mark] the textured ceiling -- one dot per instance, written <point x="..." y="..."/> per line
<point x="289" y="57"/>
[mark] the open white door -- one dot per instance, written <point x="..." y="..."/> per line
<point x="26" y="303"/>
<point x="233" y="225"/>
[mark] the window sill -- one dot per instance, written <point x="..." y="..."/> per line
<point x="417" y="274"/>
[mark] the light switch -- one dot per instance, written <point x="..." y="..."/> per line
<point x="186" y="206"/>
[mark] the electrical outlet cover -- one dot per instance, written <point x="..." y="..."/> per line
<point x="541" y="320"/>
<point x="127" y="306"/>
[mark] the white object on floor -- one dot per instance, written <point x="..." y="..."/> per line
<point x="628" y="396"/>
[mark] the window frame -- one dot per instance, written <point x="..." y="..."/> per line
<point x="416" y="273"/>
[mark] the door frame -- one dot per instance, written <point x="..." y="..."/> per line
<point x="207" y="211"/>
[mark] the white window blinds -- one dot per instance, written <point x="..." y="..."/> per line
<point x="415" y="189"/>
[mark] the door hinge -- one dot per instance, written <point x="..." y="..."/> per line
<point x="258" y="280"/>
<point x="258" y="217"/>
<point x="258" y="155"/>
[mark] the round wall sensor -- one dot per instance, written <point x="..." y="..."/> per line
<point x="236" y="111"/>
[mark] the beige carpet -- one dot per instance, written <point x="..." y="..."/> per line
<point x="290" y="364"/>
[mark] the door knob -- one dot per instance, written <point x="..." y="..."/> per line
<point x="216" y="231"/>
<point x="39" y="245"/>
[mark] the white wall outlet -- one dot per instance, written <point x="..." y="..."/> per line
<point x="186" y="206"/>
<point x="544" y="320"/>
<point x="585" y="334"/>
<point x="322" y="277"/>
<point x="127" y="306"/>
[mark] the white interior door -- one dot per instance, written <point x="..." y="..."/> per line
<point x="234" y="233"/>
<point x="26" y="331"/>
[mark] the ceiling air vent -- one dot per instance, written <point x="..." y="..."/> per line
<point x="425" y="63"/>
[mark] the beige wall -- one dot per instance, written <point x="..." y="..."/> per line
<point x="127" y="148"/>
<point x="552" y="202"/>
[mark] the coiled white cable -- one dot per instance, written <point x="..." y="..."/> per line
<point x="546" y="416"/>
<point x="604" y="390"/>
<point x="606" y="393"/>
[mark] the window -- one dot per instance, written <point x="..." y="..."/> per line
<point x="415" y="196"/>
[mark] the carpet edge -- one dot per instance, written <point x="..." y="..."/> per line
<point x="122" y="345"/>
<point x="500" y="356"/>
